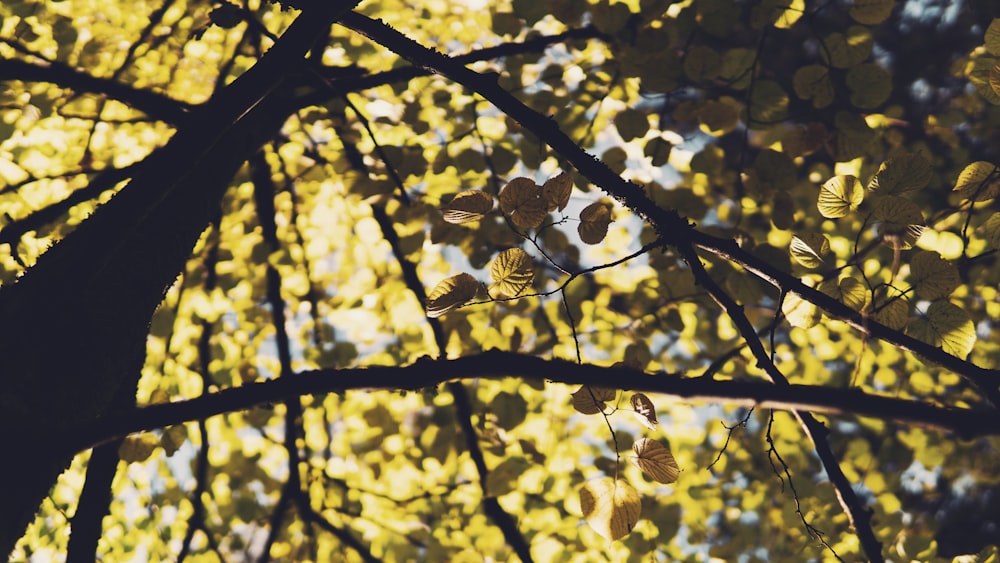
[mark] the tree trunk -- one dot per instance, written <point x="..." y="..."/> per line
<point x="74" y="326"/>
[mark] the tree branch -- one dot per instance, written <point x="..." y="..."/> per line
<point x="153" y="104"/>
<point x="858" y="515"/>
<point x="495" y="364"/>
<point x="672" y="227"/>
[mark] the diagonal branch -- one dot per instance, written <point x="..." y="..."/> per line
<point x="858" y="515"/>
<point x="668" y="224"/>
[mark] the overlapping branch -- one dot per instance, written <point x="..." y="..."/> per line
<point x="668" y="224"/>
<point x="854" y="507"/>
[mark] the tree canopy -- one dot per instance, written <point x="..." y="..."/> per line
<point x="464" y="280"/>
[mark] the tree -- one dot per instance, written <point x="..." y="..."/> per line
<point x="293" y="279"/>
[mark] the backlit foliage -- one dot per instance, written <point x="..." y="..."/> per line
<point x="780" y="191"/>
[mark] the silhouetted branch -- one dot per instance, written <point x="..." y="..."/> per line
<point x="858" y="515"/>
<point x="672" y="227"/>
<point x="151" y="103"/>
<point x="496" y="364"/>
<point x="87" y="523"/>
<point x="772" y="454"/>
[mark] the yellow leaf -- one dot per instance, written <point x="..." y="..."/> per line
<point x="849" y="291"/>
<point x="995" y="79"/>
<point x="934" y="277"/>
<point x="521" y="200"/>
<point x="451" y="293"/>
<point x="799" y="312"/>
<point x="556" y="191"/>
<point x="594" y="221"/>
<point x="468" y="206"/>
<point x="839" y="196"/>
<point x="611" y="507"/>
<point x="137" y="447"/>
<point x="946" y="326"/>
<point x="512" y="272"/>
<point x="655" y="460"/>
<point x="979" y="181"/>
<point x="644" y="410"/>
<point x="590" y="400"/>
<point x="893" y="314"/>
<point x="991" y="39"/>
<point x="808" y="249"/>
<point x="901" y="174"/>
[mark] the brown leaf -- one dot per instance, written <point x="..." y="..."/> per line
<point x="556" y="191"/>
<point x="594" y="221"/>
<point x="521" y="200"/>
<point x="645" y="410"/>
<point x="468" y="206"/>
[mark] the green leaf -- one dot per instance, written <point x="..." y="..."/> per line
<point x="719" y="117"/>
<point x="631" y="124"/>
<point x="812" y="82"/>
<point x="502" y="479"/>
<point x="655" y="460"/>
<point x="991" y="230"/>
<point x="594" y="221"/>
<point x="934" y="277"/>
<point x="451" y="293"/>
<point x="809" y="248"/>
<point x="468" y="206"/>
<point x="702" y="63"/>
<point x="591" y="400"/>
<point x="773" y="171"/>
<point x="901" y="174"/>
<point x="869" y="84"/>
<point x="846" y="50"/>
<point x="782" y="210"/>
<point x="658" y="150"/>
<point x="610" y="506"/>
<point x="840" y="195"/>
<point x="899" y="220"/>
<point x="173" y="438"/>
<point x="512" y="272"/>
<point x="852" y="136"/>
<point x="979" y="181"/>
<point x="946" y="326"/>
<point x="982" y="73"/>
<point x="871" y="12"/>
<point x="768" y="103"/>
<point x="521" y="200"/>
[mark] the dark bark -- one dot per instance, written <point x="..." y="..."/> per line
<point x="92" y="295"/>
